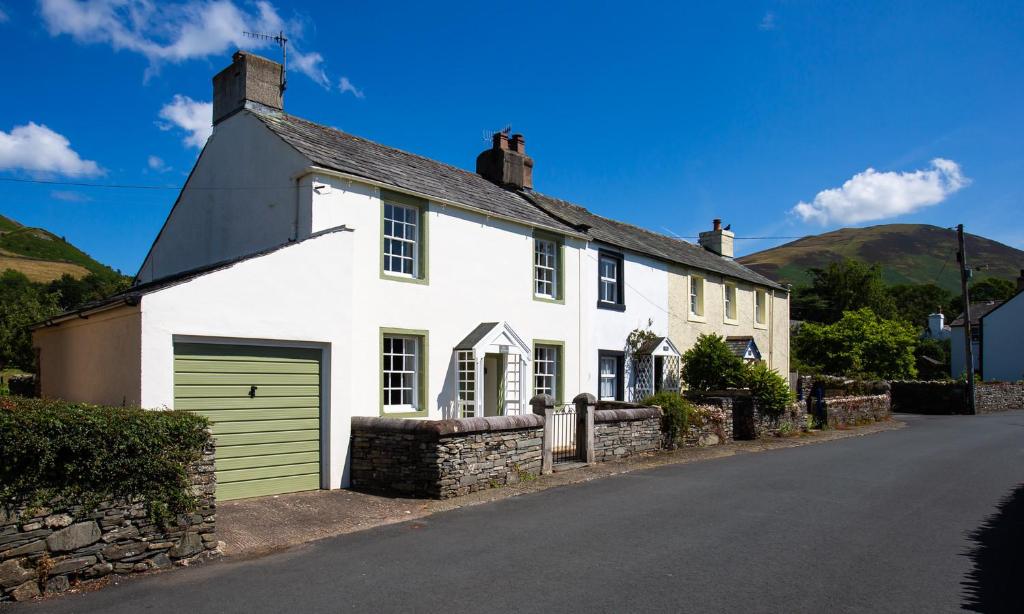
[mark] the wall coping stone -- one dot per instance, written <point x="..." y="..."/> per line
<point x="624" y="415"/>
<point x="441" y="428"/>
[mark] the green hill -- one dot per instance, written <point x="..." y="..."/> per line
<point x="42" y="255"/>
<point x="907" y="253"/>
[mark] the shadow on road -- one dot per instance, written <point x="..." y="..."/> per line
<point x="995" y="584"/>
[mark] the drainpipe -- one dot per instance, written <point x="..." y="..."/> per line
<point x="298" y="205"/>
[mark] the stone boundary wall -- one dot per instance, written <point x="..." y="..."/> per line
<point x="748" y="422"/>
<point x="993" y="397"/>
<point x="857" y="410"/>
<point x="46" y="550"/>
<point x="709" y="433"/>
<point x="929" y="397"/>
<point x="444" y="458"/>
<point x="621" y="433"/>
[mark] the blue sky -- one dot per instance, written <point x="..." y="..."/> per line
<point x="782" y="118"/>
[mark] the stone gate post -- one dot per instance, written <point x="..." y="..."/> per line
<point x="544" y="405"/>
<point x="586" y="405"/>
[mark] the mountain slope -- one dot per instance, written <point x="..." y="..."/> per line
<point x="907" y="253"/>
<point x="42" y="255"/>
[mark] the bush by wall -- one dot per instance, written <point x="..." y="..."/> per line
<point x="711" y="365"/>
<point x="771" y="393"/>
<point x="677" y="414"/>
<point x="82" y="455"/>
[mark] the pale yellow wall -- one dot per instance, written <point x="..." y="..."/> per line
<point x="772" y="338"/>
<point x="93" y="360"/>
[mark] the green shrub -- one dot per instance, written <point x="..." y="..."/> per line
<point x="678" y="413"/>
<point x="711" y="365"/>
<point x="769" y="390"/>
<point x="84" y="454"/>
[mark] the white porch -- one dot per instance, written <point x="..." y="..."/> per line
<point x="490" y="364"/>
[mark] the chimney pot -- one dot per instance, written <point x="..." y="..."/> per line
<point x="518" y="143"/>
<point x="716" y="224"/>
<point x="499" y="140"/>
<point x="250" y="78"/>
<point x="506" y="165"/>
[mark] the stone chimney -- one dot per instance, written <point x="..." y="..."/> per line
<point x="936" y="322"/>
<point x="249" y="78"/>
<point x="506" y="162"/>
<point x="718" y="240"/>
<point x="1020" y="281"/>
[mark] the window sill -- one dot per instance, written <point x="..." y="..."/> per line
<point x="403" y="412"/>
<point x="611" y="306"/>
<point x="547" y="299"/>
<point x="423" y="281"/>
<point x="692" y="317"/>
<point x="731" y="322"/>
<point x="760" y="326"/>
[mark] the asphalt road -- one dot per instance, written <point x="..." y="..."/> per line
<point x="927" y="518"/>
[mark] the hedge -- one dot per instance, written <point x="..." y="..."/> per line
<point x="82" y="455"/>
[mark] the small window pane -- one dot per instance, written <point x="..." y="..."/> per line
<point x="401" y="236"/>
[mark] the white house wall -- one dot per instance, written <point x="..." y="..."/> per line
<point x="1002" y="342"/>
<point x="242" y="197"/>
<point x="480" y="270"/>
<point x="298" y="296"/>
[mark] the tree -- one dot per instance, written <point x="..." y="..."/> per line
<point x="859" y="344"/>
<point x="711" y="365"/>
<point x="914" y="303"/>
<point x="22" y="303"/>
<point x="847" y="285"/>
<point x="932" y="358"/>
<point x="73" y="292"/>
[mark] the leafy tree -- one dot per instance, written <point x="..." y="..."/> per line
<point x="847" y="285"/>
<point x="711" y="365"/>
<point x="22" y="303"/>
<point x="988" y="289"/>
<point x="72" y="292"/>
<point x="768" y="388"/>
<point x="914" y="303"/>
<point x="859" y="344"/>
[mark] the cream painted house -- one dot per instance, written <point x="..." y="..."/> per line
<point x="306" y="276"/>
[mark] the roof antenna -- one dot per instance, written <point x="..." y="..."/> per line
<point x="489" y="134"/>
<point x="282" y="42"/>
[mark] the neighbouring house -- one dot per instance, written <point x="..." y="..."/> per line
<point x="306" y="276"/>
<point x="1001" y="355"/>
<point x="937" y="327"/>
<point x="957" y="359"/>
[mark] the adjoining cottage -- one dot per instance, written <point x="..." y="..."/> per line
<point x="997" y="337"/>
<point x="306" y="276"/>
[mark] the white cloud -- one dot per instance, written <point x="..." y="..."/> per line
<point x="156" y="163"/>
<point x="768" y="22"/>
<point x="179" y="31"/>
<point x="873" y="195"/>
<point x="70" y="196"/>
<point x="193" y="116"/>
<point x="4" y="18"/>
<point x="35" y="148"/>
<point x="344" y="85"/>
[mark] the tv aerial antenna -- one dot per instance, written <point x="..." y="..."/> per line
<point x="282" y="42"/>
<point x="489" y="134"/>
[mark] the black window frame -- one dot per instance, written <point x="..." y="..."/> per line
<point x="620" y="372"/>
<point x="620" y="280"/>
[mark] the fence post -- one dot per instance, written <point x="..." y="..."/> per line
<point x="544" y="405"/>
<point x="586" y="404"/>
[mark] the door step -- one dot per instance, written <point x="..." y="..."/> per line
<point x="559" y="467"/>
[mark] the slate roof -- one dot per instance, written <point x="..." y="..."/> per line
<point x="340" y="151"/>
<point x="476" y="335"/>
<point x="739" y="345"/>
<point x="640" y="240"/>
<point x="978" y="311"/>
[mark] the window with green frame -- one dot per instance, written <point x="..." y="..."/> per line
<point x="403" y="229"/>
<point x="403" y="372"/>
<point x="548" y="368"/>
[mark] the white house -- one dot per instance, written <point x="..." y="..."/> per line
<point x="306" y="275"/>
<point x="1002" y="339"/>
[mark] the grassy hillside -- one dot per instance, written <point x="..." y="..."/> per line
<point x="907" y="253"/>
<point x="42" y="255"/>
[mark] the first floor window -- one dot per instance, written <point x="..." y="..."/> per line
<point x="730" y="302"/>
<point x="760" y="306"/>
<point x="545" y="268"/>
<point x="401" y="372"/>
<point x="696" y="295"/>
<point x="401" y="240"/>
<point x="610" y="376"/>
<point x="546" y="365"/>
<point x="608" y="286"/>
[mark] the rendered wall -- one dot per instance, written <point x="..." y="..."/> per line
<point x="94" y="359"/>
<point x="1003" y="342"/>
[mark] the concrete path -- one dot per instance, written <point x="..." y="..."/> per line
<point x="921" y="519"/>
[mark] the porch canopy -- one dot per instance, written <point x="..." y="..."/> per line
<point x="498" y="343"/>
<point x="657" y="367"/>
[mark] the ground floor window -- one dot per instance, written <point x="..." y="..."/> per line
<point x="467" y="384"/>
<point x="400" y="383"/>
<point x="610" y="375"/>
<point x="547" y="366"/>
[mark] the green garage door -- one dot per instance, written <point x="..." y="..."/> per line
<point x="264" y="403"/>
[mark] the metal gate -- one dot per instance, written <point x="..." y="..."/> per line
<point x="564" y="444"/>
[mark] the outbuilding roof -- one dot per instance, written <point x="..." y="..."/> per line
<point x="978" y="311"/>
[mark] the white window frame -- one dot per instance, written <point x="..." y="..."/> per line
<point x="612" y="378"/>
<point x="545" y="268"/>
<point x="760" y="308"/>
<point x="695" y="305"/>
<point x="729" y="303"/>
<point x="546" y="355"/>
<point x="408" y="213"/>
<point x="467" y="388"/>
<point x="609" y="284"/>
<point x="388" y="369"/>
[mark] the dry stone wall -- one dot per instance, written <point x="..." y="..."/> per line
<point x="621" y="433"/>
<point x="857" y="410"/>
<point x="47" y="550"/>
<point x="992" y="397"/>
<point x="444" y="458"/>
